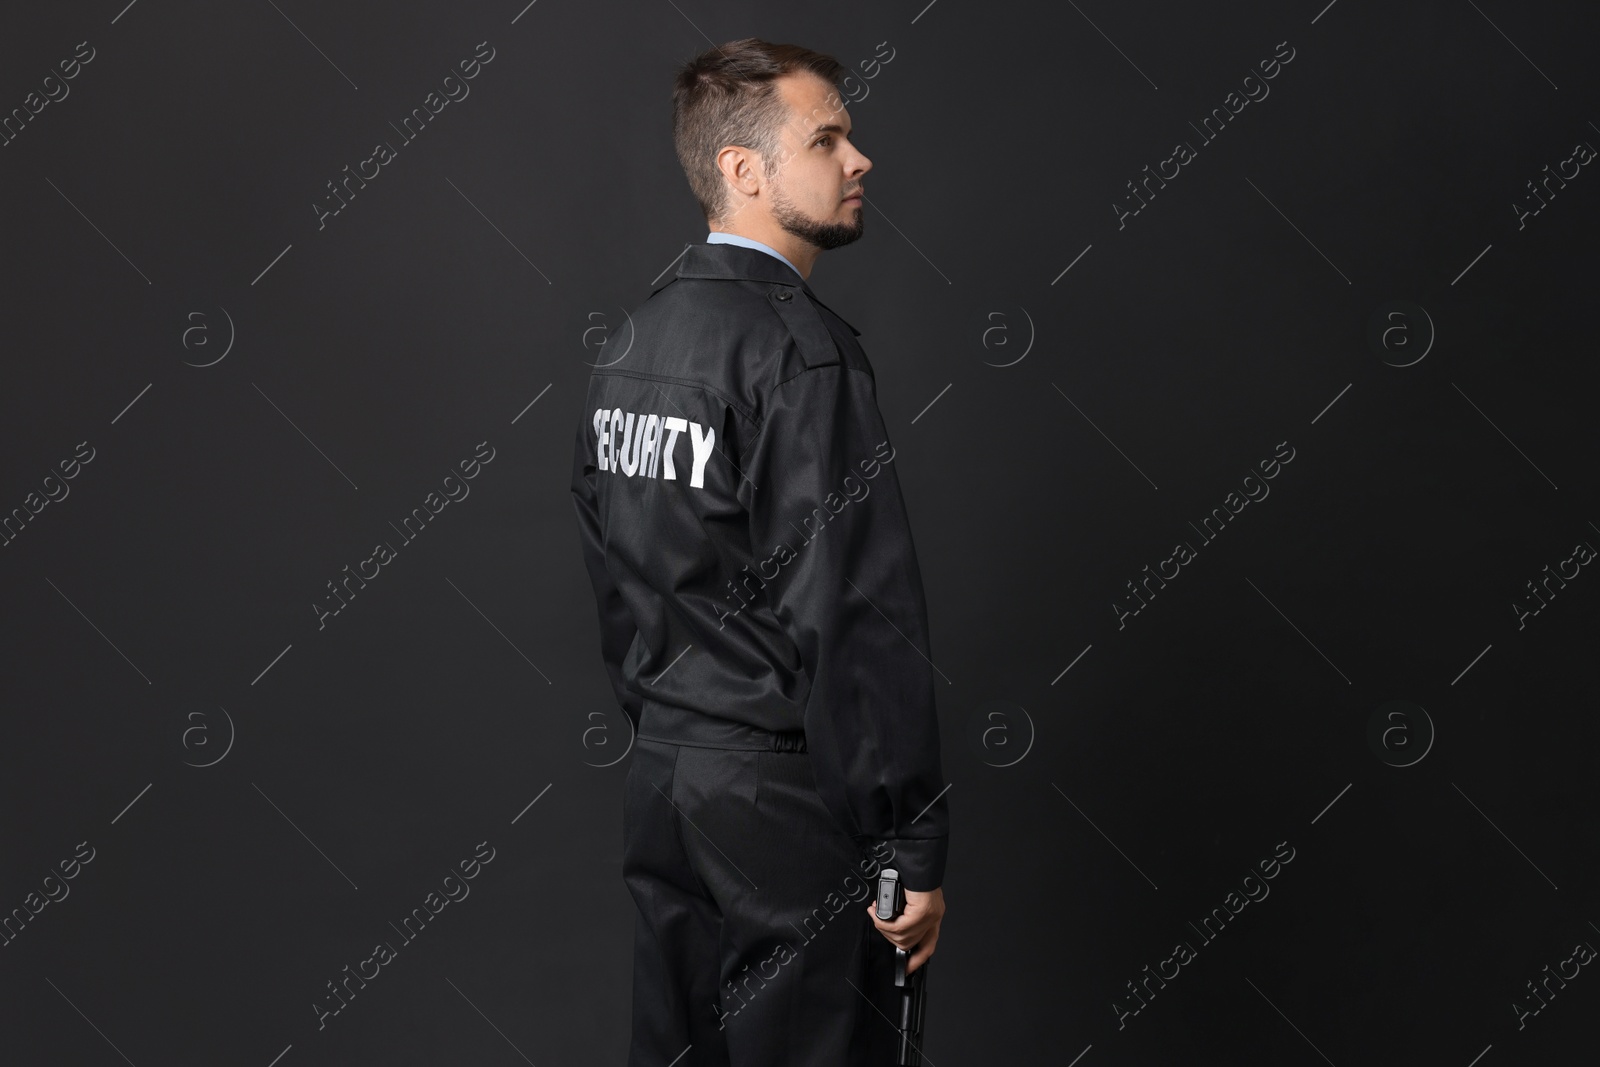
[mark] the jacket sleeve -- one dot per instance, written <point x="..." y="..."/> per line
<point x="849" y="595"/>
<point x="617" y="629"/>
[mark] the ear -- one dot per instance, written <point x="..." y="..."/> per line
<point x="741" y="168"/>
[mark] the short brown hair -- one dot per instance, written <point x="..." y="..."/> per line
<point x="727" y="96"/>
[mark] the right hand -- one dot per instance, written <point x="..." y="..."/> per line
<point x="917" y="928"/>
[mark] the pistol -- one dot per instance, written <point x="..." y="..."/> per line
<point x="912" y="988"/>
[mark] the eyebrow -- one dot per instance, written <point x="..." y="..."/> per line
<point x="828" y="128"/>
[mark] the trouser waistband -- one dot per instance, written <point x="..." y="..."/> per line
<point x="681" y="726"/>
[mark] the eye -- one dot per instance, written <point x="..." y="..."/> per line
<point x="824" y="140"/>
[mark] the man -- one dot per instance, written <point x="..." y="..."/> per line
<point x="761" y="608"/>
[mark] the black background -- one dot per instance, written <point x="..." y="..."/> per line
<point x="160" y="615"/>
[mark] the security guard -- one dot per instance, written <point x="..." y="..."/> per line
<point x="761" y="609"/>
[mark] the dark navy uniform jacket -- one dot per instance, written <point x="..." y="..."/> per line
<point x="744" y="531"/>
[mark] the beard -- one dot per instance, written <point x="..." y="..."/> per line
<point x="823" y="235"/>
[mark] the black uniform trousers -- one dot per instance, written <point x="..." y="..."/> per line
<point x="752" y="944"/>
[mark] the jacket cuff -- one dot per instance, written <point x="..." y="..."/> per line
<point x="919" y="860"/>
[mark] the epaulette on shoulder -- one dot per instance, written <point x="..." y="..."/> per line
<point x="805" y="325"/>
